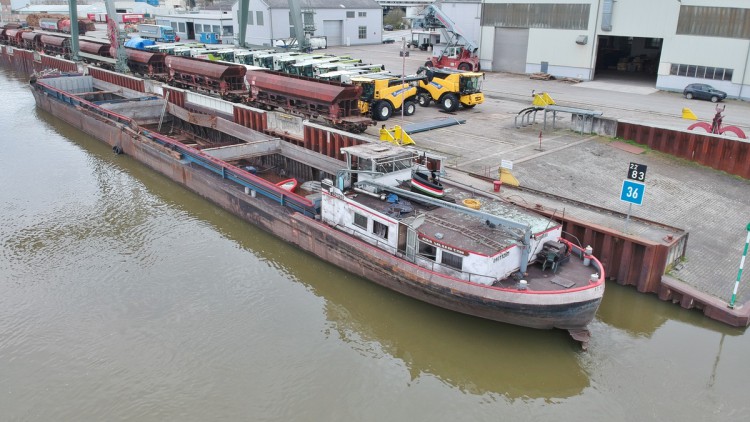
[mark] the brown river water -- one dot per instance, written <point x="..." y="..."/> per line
<point x="125" y="297"/>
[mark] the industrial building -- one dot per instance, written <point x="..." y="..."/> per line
<point x="349" y="22"/>
<point x="671" y="43"/>
<point x="188" y="26"/>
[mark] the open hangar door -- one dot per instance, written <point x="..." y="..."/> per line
<point x="628" y="58"/>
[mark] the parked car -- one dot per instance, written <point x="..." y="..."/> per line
<point x="388" y="27"/>
<point x="703" y="92"/>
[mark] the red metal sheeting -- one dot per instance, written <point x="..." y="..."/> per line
<point x="209" y="69"/>
<point x="321" y="91"/>
<point x="721" y="153"/>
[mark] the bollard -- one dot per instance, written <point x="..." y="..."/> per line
<point x="586" y="254"/>
<point x="496" y="184"/>
<point x="594" y="278"/>
<point x="522" y="285"/>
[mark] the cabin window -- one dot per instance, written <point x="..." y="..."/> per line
<point x="198" y="28"/>
<point x="216" y="29"/>
<point x="259" y="17"/>
<point x="350" y="14"/>
<point x="360" y="220"/>
<point x="362" y="14"/>
<point x="174" y="26"/>
<point x="227" y="30"/>
<point x="362" y="32"/>
<point x="182" y="26"/>
<point x="380" y="229"/>
<point x="428" y="251"/>
<point x="452" y="260"/>
<point x="250" y="17"/>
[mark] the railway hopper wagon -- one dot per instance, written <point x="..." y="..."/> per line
<point x="31" y="40"/>
<point x="332" y="102"/>
<point x="4" y="32"/>
<point x="54" y="45"/>
<point x="223" y="79"/>
<point x="14" y="37"/>
<point x="95" y="48"/>
<point x="150" y="64"/>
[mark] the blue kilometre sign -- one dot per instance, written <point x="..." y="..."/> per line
<point x="632" y="192"/>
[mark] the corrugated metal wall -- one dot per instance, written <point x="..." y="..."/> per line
<point x="726" y="154"/>
<point x="536" y="15"/>
<point x="728" y="22"/>
<point x="129" y="82"/>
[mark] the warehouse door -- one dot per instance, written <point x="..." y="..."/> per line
<point x="333" y="30"/>
<point x="509" y="53"/>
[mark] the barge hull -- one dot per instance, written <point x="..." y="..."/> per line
<point x="565" y="309"/>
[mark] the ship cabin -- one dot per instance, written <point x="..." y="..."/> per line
<point x="371" y="201"/>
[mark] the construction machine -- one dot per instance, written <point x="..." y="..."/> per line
<point x="449" y="88"/>
<point x="460" y="52"/>
<point x="382" y="94"/>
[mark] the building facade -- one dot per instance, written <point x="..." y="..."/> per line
<point x="349" y="22"/>
<point x="189" y="26"/>
<point x="675" y="42"/>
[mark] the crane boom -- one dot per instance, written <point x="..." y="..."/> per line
<point x="295" y="11"/>
<point x="434" y="18"/>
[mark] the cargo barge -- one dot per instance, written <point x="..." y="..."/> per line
<point x="497" y="262"/>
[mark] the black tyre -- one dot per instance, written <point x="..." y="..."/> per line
<point x="464" y="66"/>
<point x="409" y="108"/>
<point x="449" y="102"/>
<point x="382" y="111"/>
<point x="714" y="99"/>
<point x="689" y="96"/>
<point x="424" y="99"/>
<point x="428" y="63"/>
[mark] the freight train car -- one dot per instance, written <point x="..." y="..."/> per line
<point x="333" y="102"/>
<point x="31" y="40"/>
<point x="4" y="32"/>
<point x="15" y="37"/>
<point x="98" y="48"/>
<point x="150" y="64"/>
<point x="55" y="45"/>
<point x="223" y="79"/>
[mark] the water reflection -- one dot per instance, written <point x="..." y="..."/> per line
<point x="641" y="314"/>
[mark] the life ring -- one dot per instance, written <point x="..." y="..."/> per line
<point x="472" y="203"/>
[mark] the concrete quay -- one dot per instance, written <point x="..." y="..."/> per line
<point x="712" y="206"/>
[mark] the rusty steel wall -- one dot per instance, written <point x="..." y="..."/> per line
<point x="176" y="96"/>
<point x="250" y="118"/>
<point x="328" y="142"/>
<point x="725" y="154"/>
<point x="129" y="82"/>
<point x="49" y="62"/>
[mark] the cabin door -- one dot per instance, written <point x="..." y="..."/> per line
<point x="411" y="242"/>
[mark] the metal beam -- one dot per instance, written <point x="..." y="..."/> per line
<point x="242" y="21"/>
<point x="74" y="47"/>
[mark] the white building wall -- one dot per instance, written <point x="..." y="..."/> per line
<point x="276" y="24"/>
<point x="634" y="18"/>
<point x="466" y="16"/>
